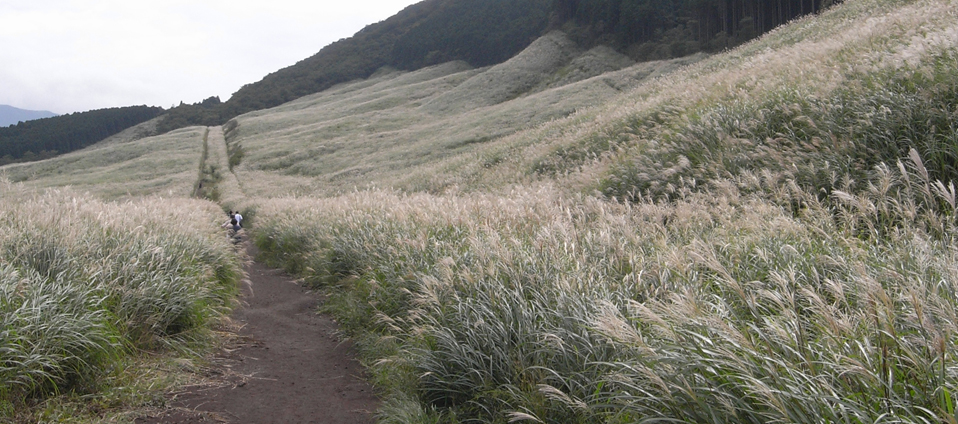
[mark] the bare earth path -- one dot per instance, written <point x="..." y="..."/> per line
<point x="288" y="368"/>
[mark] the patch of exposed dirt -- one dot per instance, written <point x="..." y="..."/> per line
<point x="285" y="365"/>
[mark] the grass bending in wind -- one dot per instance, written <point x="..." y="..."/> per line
<point x="722" y="305"/>
<point x="87" y="285"/>
<point x="878" y="119"/>
<point x="787" y="251"/>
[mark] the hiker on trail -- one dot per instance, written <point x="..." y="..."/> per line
<point x="233" y="227"/>
<point x="239" y="218"/>
<point x="232" y="223"/>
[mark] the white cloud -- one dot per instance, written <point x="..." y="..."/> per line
<point x="76" y="55"/>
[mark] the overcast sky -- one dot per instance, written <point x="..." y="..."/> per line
<point x="76" y="55"/>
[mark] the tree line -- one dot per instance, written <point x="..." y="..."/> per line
<point x="48" y="137"/>
<point x="660" y="29"/>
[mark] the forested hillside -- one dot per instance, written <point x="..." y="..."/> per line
<point x="44" y="138"/>
<point x="490" y="32"/>
<point x="659" y="29"/>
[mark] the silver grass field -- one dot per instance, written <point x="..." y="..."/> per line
<point x="720" y="306"/>
<point x="763" y="235"/>
<point x="88" y="287"/>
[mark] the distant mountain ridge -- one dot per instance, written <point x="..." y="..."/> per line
<point x="10" y="115"/>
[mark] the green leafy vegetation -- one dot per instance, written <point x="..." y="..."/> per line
<point x="209" y="112"/>
<point x="656" y="29"/>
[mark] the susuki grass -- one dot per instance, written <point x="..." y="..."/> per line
<point x="769" y="237"/>
<point x="847" y="133"/>
<point x="86" y="285"/>
<point x="164" y="165"/>
<point x="824" y="94"/>
<point x="375" y="132"/>
<point x="721" y="306"/>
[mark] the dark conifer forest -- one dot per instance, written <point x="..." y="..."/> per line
<point x="660" y="29"/>
<point x="48" y="137"/>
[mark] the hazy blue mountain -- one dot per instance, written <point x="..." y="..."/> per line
<point x="10" y="115"/>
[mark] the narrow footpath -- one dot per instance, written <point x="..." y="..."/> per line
<point x="287" y="366"/>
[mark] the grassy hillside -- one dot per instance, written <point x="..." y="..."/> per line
<point x="47" y="137"/>
<point x="763" y="235"/>
<point x="486" y="33"/>
<point x="378" y="131"/>
<point x="111" y="277"/>
<point x="424" y="34"/>
<point x="122" y="167"/>
<point x="766" y="235"/>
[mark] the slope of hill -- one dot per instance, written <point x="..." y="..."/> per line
<point x="122" y="168"/>
<point x="47" y="137"/>
<point x="424" y="34"/>
<point x="10" y="115"/>
<point x="490" y="32"/>
<point x="377" y="131"/>
<point x="764" y="235"/>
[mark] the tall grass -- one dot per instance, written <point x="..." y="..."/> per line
<point x="770" y="238"/>
<point x="225" y="155"/>
<point x="878" y="119"/>
<point x="774" y="241"/>
<point x="381" y="130"/>
<point x="723" y="305"/>
<point x="803" y="95"/>
<point x="86" y="285"/>
<point x="164" y="165"/>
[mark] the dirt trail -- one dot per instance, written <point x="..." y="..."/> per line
<point x="288" y="367"/>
